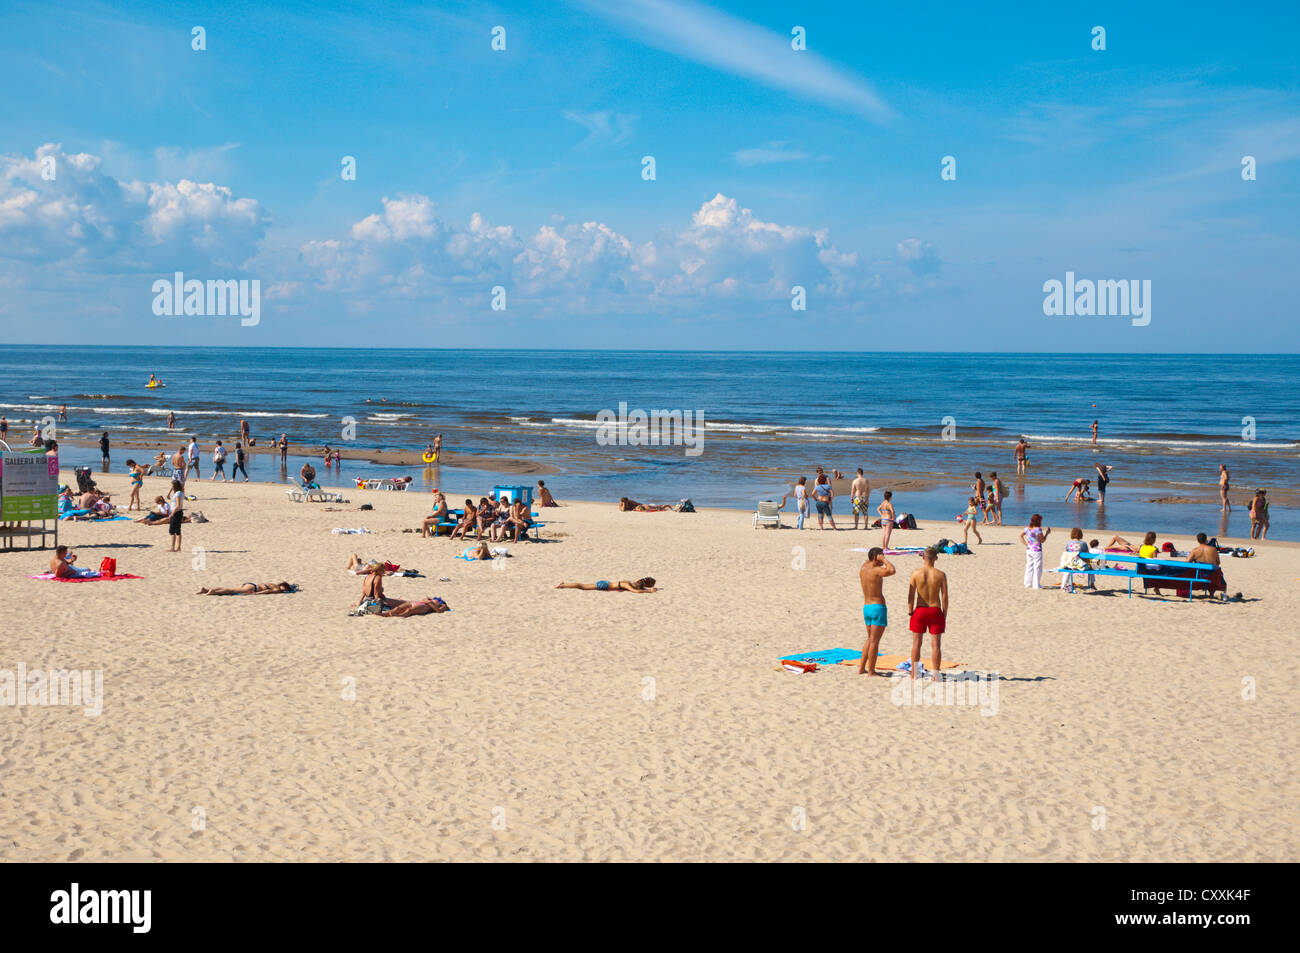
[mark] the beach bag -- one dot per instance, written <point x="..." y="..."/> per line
<point x="799" y="668"/>
<point x="198" y="517"/>
<point x="685" y="506"/>
<point x="108" y="566"/>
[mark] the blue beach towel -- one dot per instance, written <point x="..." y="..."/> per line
<point x="827" y="656"/>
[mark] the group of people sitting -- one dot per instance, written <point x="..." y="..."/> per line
<point x="496" y="516"/>
<point x="1205" y="552"/>
<point x="90" y="505"/>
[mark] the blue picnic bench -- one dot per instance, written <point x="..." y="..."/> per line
<point x="1148" y="569"/>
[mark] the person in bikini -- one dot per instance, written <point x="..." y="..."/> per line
<point x="439" y="514"/>
<point x="1223" y="488"/>
<point x="425" y="606"/>
<point x="249" y="589"/>
<point x="644" y="584"/>
<point x="927" y="608"/>
<point x="544" y="495"/>
<point x="887" y="518"/>
<point x="872" y="576"/>
<point x="372" y="590"/>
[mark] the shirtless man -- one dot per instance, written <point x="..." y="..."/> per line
<point x="61" y="564"/>
<point x="1022" y="458"/>
<point x="1223" y="488"/>
<point x="178" y="464"/>
<point x="1203" y="552"/>
<point x="927" y="608"/>
<point x="872" y="576"/>
<point x="860" y="496"/>
<point x="437" y="447"/>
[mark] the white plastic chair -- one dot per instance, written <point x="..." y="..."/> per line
<point x="768" y="514"/>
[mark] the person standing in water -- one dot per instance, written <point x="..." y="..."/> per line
<point x="1022" y="458"/>
<point x="1094" y="433"/>
<point x="1223" y="488"/>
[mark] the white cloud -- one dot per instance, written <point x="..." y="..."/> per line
<point x="605" y="127"/>
<point x="769" y="153"/>
<point x="741" y="48"/>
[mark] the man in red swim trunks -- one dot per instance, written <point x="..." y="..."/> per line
<point x="927" y="607"/>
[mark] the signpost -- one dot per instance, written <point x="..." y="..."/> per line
<point x="29" y="491"/>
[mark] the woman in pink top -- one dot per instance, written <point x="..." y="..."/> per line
<point x="1033" y="536"/>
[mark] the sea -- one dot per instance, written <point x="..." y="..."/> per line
<point x="758" y="421"/>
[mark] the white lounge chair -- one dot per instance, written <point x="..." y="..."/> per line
<point x="296" y="495"/>
<point x="768" y="514"/>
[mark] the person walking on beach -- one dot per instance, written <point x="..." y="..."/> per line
<point x="860" y="496"/>
<point x="927" y="608"/>
<point x="874" y="613"/>
<point x="968" y="520"/>
<point x="177" y="500"/>
<point x="1223" y="488"/>
<point x="1033" y="536"/>
<point x="999" y="491"/>
<point x="887" y="518"/>
<point x="192" y="458"/>
<point x="218" y="462"/>
<point x="1103" y="477"/>
<point x="284" y="451"/>
<point x="239" y="463"/>
<point x="137" y="481"/>
<point x="1259" y="516"/>
<point x="1094" y="433"/>
<point x="823" y="496"/>
<point x="1022" y="457"/>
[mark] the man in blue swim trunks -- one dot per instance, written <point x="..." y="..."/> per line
<point x="872" y="575"/>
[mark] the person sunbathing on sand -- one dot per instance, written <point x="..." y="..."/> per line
<point x="544" y="495"/>
<point x="250" y="589"/>
<point x="483" y="551"/>
<point x="419" y="607"/>
<point x="644" y="584"/>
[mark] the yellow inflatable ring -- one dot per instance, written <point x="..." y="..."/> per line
<point x="430" y="458"/>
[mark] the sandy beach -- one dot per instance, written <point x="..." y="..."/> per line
<point x="539" y="724"/>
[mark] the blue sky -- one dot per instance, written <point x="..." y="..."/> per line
<point x="522" y="169"/>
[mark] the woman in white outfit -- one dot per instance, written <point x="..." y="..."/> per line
<point x="1033" y="536"/>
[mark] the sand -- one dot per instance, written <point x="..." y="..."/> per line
<point x="536" y="724"/>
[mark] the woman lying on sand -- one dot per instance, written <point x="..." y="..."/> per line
<point x="419" y="607"/>
<point x="250" y="589"/>
<point x="484" y="551"/>
<point x="160" y="514"/>
<point x="645" y="584"/>
<point x="628" y="506"/>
